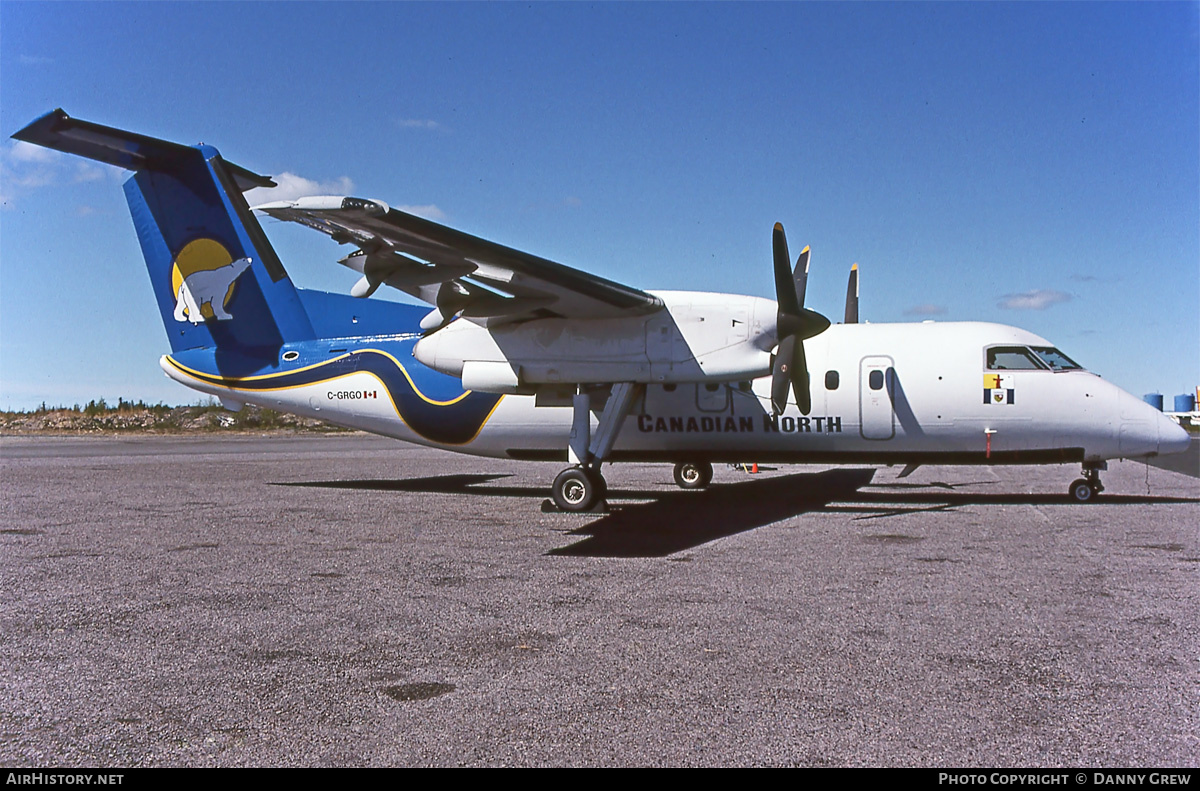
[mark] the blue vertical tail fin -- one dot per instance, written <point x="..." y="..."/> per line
<point x="217" y="280"/>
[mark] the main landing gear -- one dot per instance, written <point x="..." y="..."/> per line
<point x="582" y="487"/>
<point x="693" y="474"/>
<point x="1086" y="488"/>
<point x="579" y="488"/>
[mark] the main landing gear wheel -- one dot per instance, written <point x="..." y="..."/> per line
<point x="578" y="489"/>
<point x="693" y="474"/>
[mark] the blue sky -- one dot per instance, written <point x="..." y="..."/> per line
<point x="1034" y="164"/>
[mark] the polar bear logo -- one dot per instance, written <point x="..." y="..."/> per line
<point x="208" y="287"/>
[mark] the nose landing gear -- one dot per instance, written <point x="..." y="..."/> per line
<point x="1085" y="489"/>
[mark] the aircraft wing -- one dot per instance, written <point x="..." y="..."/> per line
<point x="458" y="273"/>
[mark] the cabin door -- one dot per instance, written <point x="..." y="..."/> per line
<point x="876" y="386"/>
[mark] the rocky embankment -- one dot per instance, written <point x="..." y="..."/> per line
<point x="155" y="420"/>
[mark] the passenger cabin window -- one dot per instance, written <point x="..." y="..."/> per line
<point x="875" y="380"/>
<point x="1012" y="358"/>
<point x="832" y="380"/>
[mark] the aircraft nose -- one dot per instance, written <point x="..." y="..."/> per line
<point x="1172" y="437"/>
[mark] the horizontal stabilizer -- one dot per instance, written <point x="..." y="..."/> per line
<point x="127" y="150"/>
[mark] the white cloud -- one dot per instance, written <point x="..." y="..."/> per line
<point x="1039" y="299"/>
<point x="417" y="123"/>
<point x="86" y="171"/>
<point x="926" y="310"/>
<point x="22" y="152"/>
<point x="429" y="211"/>
<point x="292" y="187"/>
<point x="25" y="167"/>
<point x="27" y="178"/>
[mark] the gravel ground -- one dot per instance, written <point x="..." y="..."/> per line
<point x="347" y="600"/>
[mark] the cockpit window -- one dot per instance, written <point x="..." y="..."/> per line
<point x="1011" y="358"/>
<point x="1056" y="359"/>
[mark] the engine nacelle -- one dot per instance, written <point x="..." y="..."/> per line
<point x="697" y="337"/>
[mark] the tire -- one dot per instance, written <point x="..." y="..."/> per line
<point x="693" y="474"/>
<point x="1081" y="492"/>
<point x="575" y="489"/>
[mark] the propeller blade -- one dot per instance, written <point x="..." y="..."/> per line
<point x="852" y="296"/>
<point x="793" y="323"/>
<point x="800" y="275"/>
<point x="781" y="377"/>
<point x="785" y="287"/>
<point x="800" y="384"/>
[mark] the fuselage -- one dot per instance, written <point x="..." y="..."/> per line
<point x="520" y="353"/>
<point x="882" y="393"/>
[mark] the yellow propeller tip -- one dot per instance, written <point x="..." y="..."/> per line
<point x="805" y="250"/>
<point x="779" y="226"/>
<point x="854" y="267"/>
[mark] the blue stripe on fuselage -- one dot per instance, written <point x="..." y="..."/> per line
<point x="433" y="405"/>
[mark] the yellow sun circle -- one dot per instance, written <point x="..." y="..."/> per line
<point x="196" y="256"/>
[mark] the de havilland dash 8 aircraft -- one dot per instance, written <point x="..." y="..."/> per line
<point x="524" y="358"/>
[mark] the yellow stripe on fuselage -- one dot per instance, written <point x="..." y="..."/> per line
<point x="230" y="381"/>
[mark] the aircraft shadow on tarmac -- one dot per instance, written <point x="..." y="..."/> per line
<point x="660" y="523"/>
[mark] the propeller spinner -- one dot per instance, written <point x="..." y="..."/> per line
<point x="793" y="325"/>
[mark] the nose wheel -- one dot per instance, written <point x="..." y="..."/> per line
<point x="1085" y="489"/>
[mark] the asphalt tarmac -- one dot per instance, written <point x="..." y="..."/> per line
<point x="346" y="600"/>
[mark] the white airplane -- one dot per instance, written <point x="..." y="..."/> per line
<point x="525" y="358"/>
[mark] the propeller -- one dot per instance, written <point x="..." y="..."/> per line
<point x="852" y="296"/>
<point x="793" y="325"/>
